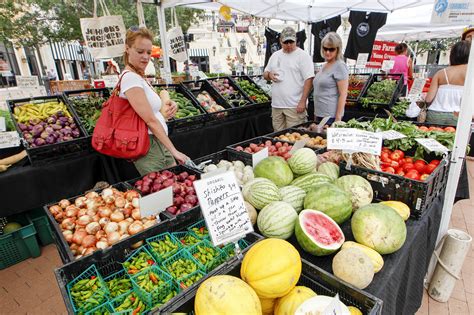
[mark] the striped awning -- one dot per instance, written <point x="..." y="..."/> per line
<point x="71" y="51"/>
<point x="198" y="52"/>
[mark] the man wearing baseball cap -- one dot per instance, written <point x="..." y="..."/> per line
<point x="291" y="70"/>
<point x="468" y="33"/>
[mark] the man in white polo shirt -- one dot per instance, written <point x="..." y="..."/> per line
<point x="291" y="70"/>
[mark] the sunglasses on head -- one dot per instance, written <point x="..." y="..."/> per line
<point x="330" y="49"/>
<point x="286" y="42"/>
<point x="134" y="28"/>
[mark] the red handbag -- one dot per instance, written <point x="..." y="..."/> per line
<point x="119" y="131"/>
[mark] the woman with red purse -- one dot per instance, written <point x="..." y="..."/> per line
<point x="147" y="104"/>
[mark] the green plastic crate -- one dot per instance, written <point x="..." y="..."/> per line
<point x="181" y="235"/>
<point x="197" y="275"/>
<point x="20" y="244"/>
<point x="190" y="263"/>
<point x="210" y="264"/>
<point x="198" y="225"/>
<point x="131" y="295"/>
<point x="150" y="261"/>
<point x="43" y="229"/>
<point x="118" y="283"/>
<point x="103" y="309"/>
<point x="157" y="294"/>
<point x="161" y="257"/>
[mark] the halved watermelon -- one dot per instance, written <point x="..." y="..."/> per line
<point x="317" y="233"/>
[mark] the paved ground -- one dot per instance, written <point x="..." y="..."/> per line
<point x="30" y="286"/>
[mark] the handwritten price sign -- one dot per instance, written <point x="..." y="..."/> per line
<point x="354" y="140"/>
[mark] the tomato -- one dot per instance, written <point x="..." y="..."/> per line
<point x="413" y="174"/>
<point x="390" y="170"/>
<point x="423" y="128"/>
<point x="435" y="162"/>
<point x="431" y="128"/>
<point x="419" y="167"/>
<point x="402" y="154"/>
<point x="450" y="129"/>
<point x="429" y="168"/>
<point x="408" y="167"/>
<point x="385" y="149"/>
<point x="408" y="160"/>
<point x="394" y="164"/>
<point x="395" y="156"/>
<point x="400" y="172"/>
<point x="401" y="162"/>
<point x="385" y="157"/>
<point x="424" y="177"/>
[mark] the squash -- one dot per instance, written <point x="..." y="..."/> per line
<point x="268" y="305"/>
<point x="288" y="304"/>
<point x="375" y="257"/>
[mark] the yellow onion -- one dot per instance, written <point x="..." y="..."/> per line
<point x="89" y="251"/>
<point x="135" y="227"/>
<point x="100" y="234"/>
<point x="136" y="214"/>
<point x="111" y="227"/>
<point x="92" y="228"/>
<point x="84" y="220"/>
<point x="123" y="226"/>
<point x="104" y="211"/>
<point x="102" y="245"/>
<point x="64" y="203"/>
<point x="113" y="238"/>
<point x="68" y="224"/>
<point x="137" y="244"/>
<point x="120" y="202"/>
<point x="80" y="202"/>
<point x="130" y="194"/>
<point x="55" y="210"/>
<point x="117" y="216"/>
<point x="79" y="236"/>
<point x="92" y="195"/>
<point x="71" y="211"/>
<point x="68" y="236"/>
<point x="89" y="241"/>
<point x="107" y="192"/>
<point x="104" y="221"/>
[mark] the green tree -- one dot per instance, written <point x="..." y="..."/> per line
<point x="434" y="45"/>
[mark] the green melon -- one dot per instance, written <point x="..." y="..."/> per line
<point x="11" y="227"/>
<point x="317" y="233"/>
<point x="259" y="192"/>
<point x="275" y="169"/>
<point x="277" y="220"/>
<point x="331" y="200"/>
<point x="294" y="196"/>
<point x="309" y="181"/>
<point x="358" y="187"/>
<point x="303" y="161"/>
<point x="330" y="169"/>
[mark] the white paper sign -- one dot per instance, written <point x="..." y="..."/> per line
<point x="166" y="75"/>
<point x="223" y="208"/>
<point x="177" y="44"/>
<point x="9" y="139"/>
<point x="362" y="60"/>
<point x="157" y="202"/>
<point x="110" y="80"/>
<point x="298" y="145"/>
<point x="194" y="71"/>
<point x="392" y="135"/>
<point x="3" y="125"/>
<point x="23" y="81"/>
<point x="217" y="68"/>
<point x="417" y="87"/>
<point x="387" y="65"/>
<point x="334" y="308"/>
<point x="260" y="155"/>
<point x="455" y="11"/>
<point x="355" y="140"/>
<point x="432" y="145"/>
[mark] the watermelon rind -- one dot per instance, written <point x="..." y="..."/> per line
<point x="308" y="243"/>
<point x="277" y="220"/>
<point x="275" y="169"/>
<point x="294" y="196"/>
<point x="303" y="161"/>
<point x="331" y="200"/>
<point x="309" y="181"/>
<point x="259" y="192"/>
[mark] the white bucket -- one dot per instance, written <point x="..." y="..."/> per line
<point x="448" y="269"/>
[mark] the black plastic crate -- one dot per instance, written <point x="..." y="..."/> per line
<point x="229" y="155"/>
<point x="61" y="243"/>
<point x="318" y="150"/>
<point x="237" y="91"/>
<point x="313" y="277"/>
<point x="69" y="96"/>
<point x="236" y="79"/>
<point x="378" y="78"/>
<point x="304" y="127"/>
<point x="418" y="195"/>
<point x="175" y="170"/>
<point x="57" y="151"/>
<point x="358" y="86"/>
<point x="187" y="123"/>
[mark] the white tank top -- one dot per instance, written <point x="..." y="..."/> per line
<point x="448" y="97"/>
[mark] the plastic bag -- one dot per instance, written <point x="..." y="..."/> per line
<point x="413" y="110"/>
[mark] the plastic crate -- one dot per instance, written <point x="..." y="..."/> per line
<point x="98" y="296"/>
<point x="198" y="225"/>
<point x="313" y="277"/>
<point x="161" y="257"/>
<point x="257" y="140"/>
<point x="418" y="195"/>
<point x="158" y="294"/>
<point x="362" y="86"/>
<point x="175" y="170"/>
<point x="119" y="280"/>
<point x="103" y="309"/>
<point x="227" y="154"/>
<point x="181" y="235"/>
<point x="378" y="78"/>
<point x="218" y="255"/>
<point x="238" y="94"/>
<point x="58" y="151"/>
<point x="144" y="265"/>
<point x="133" y="305"/>
<point x="183" y="285"/>
<point x="237" y="80"/>
<point x="192" y="263"/>
<point x="20" y="244"/>
<point x="42" y="226"/>
<point x="318" y="150"/>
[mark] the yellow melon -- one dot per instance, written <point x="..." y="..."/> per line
<point x="288" y="304"/>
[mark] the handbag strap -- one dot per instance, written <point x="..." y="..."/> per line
<point x="116" y="90"/>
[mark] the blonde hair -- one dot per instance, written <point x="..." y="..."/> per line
<point x="332" y="40"/>
<point x="132" y="36"/>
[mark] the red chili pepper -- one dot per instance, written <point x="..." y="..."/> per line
<point x="150" y="262"/>
<point x="201" y="229"/>
<point x="182" y="286"/>
<point x="93" y="277"/>
<point x="135" y="311"/>
<point x="132" y="299"/>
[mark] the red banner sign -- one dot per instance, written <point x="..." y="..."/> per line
<point x="381" y="51"/>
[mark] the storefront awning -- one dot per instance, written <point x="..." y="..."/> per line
<point x="198" y="52"/>
<point x="71" y="51"/>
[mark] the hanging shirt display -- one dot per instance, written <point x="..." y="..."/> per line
<point x="363" y="31"/>
<point x="273" y="41"/>
<point x="319" y="30"/>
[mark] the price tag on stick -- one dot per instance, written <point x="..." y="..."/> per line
<point x="355" y="140"/>
<point x="9" y="139"/>
<point x="260" y="155"/>
<point x="387" y="65"/>
<point x="3" y="125"/>
<point x="298" y="145"/>
<point x="222" y="205"/>
<point x="392" y="135"/>
<point x="432" y="145"/>
<point x="157" y="202"/>
<point x="362" y="60"/>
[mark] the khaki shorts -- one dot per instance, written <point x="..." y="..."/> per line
<point x="283" y="118"/>
<point x="157" y="158"/>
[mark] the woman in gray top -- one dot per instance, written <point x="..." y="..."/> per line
<point x="331" y="82"/>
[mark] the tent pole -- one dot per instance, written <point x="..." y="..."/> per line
<point x="463" y="130"/>
<point x="160" y="11"/>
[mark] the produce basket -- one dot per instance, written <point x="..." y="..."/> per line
<point x="186" y="103"/>
<point x="118" y="283"/>
<point x="175" y="265"/>
<point x="203" y="251"/>
<point x="309" y="126"/>
<point x="109" y="262"/>
<point x="227" y="154"/>
<point x="231" y="92"/>
<point x="199" y="229"/>
<point x="149" y="294"/>
<point x="317" y="140"/>
<point x="191" y="280"/>
<point x="87" y="105"/>
<point x="187" y="239"/>
<point x="18" y="245"/>
<point x="47" y="153"/>
<point x="138" y="184"/>
<point x="390" y="100"/>
<point x="313" y="277"/>
<point x="258" y="141"/>
<point x="105" y="308"/>
<point x="42" y="226"/>
<point x="129" y="302"/>
<point x="418" y="195"/>
<point x="163" y="246"/>
<point x="251" y="89"/>
<point x="62" y="245"/>
<point x="139" y="260"/>
<point x="357" y="86"/>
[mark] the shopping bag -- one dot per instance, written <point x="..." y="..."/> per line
<point x="177" y="44"/>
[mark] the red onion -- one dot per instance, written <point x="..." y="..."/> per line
<point x="80" y="202"/>
<point x="84" y="220"/>
<point x="64" y="203"/>
<point x="68" y="224"/>
<point x="113" y="238"/>
<point x="92" y="228"/>
<point x="89" y="241"/>
<point x="117" y="216"/>
<point x="79" y="236"/>
<point x="111" y="227"/>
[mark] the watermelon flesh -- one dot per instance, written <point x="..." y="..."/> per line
<point x="317" y="233"/>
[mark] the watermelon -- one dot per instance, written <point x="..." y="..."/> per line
<point x="358" y="187"/>
<point x="259" y="192"/>
<point x="331" y="200"/>
<point x="379" y="227"/>
<point x="309" y="181"/>
<point x="303" y="161"/>
<point x="294" y="196"/>
<point x="277" y="220"/>
<point x="317" y="233"/>
<point x="275" y="169"/>
<point x="330" y="169"/>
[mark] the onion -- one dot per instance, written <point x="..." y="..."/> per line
<point x="84" y="220"/>
<point x="148" y="223"/>
<point x="113" y="238"/>
<point x="92" y="195"/>
<point x="130" y="220"/>
<point x="92" y="204"/>
<point x="120" y="202"/>
<point x="91" y="212"/>
<point x="137" y="244"/>
<point x="117" y="216"/>
<point x="64" y="203"/>
<point x="107" y="192"/>
<point x="71" y="211"/>
<point x="81" y="212"/>
<point x="89" y="251"/>
<point x="136" y="214"/>
<point x="111" y="227"/>
<point x="110" y="200"/>
<point x="104" y="211"/>
<point x="123" y="226"/>
<point x="79" y="236"/>
<point x="102" y="245"/>
<point x="135" y="202"/>
<point x="127" y="212"/>
<point x="80" y="202"/>
<point x="129" y="195"/>
<point x="95" y="218"/>
<point x="103" y="221"/>
<point x="68" y="236"/>
<point x="117" y="193"/>
<point x="135" y="227"/>
<point x="100" y="234"/>
<point x="88" y="241"/>
<point x="124" y="236"/>
<point x="68" y="224"/>
<point x="92" y="228"/>
<point x="55" y="210"/>
<point x="59" y="217"/>
<point x="73" y="249"/>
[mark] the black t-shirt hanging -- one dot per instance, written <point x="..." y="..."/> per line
<point x="319" y="30"/>
<point x="273" y="42"/>
<point x="363" y="31"/>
